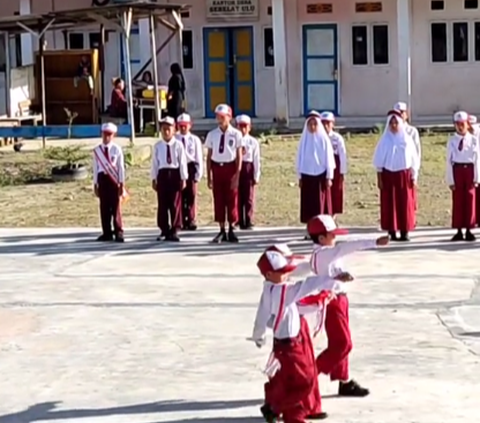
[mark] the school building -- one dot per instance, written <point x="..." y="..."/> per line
<point x="277" y="59"/>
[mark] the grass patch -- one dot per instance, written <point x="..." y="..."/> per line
<point x="29" y="200"/>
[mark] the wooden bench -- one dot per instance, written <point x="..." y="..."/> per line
<point x="23" y="116"/>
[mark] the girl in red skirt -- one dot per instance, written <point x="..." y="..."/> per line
<point x="315" y="169"/>
<point x="397" y="163"/>
<point x="338" y="144"/>
<point x="462" y="177"/>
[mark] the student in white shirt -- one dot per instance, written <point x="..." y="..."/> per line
<point x="315" y="169"/>
<point x="291" y="368"/>
<point x="463" y="177"/>
<point x="340" y="152"/>
<point x="224" y="162"/>
<point x="109" y="183"/>
<point x="169" y="174"/>
<point x="194" y="152"/>
<point x="249" y="175"/>
<point x="326" y="261"/>
<point x="397" y="163"/>
<point x="413" y="132"/>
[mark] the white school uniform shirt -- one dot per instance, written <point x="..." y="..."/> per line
<point x="278" y="308"/>
<point x="315" y="153"/>
<point x="231" y="143"/>
<point x="396" y="151"/>
<point x="251" y="154"/>
<point x="177" y="155"/>
<point x="115" y="156"/>
<point x="413" y="132"/>
<point x="193" y="151"/>
<point x="462" y="149"/>
<point x="339" y="149"/>
<point x="327" y="261"/>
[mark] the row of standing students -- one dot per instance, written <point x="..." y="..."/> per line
<point x="292" y="390"/>
<point x="232" y="168"/>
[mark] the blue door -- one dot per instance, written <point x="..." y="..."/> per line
<point x="320" y="68"/>
<point x="229" y="69"/>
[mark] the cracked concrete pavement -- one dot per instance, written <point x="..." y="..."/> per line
<point x="146" y="332"/>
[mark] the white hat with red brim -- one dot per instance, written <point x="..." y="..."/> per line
<point x="109" y="128"/>
<point x="243" y="120"/>
<point x="184" y="118"/>
<point x="328" y="116"/>
<point x="286" y="251"/>
<point x="223" y="110"/>
<point x="400" y="106"/>
<point x="461" y="117"/>
<point x="324" y="224"/>
<point x="167" y="121"/>
<point x="274" y="261"/>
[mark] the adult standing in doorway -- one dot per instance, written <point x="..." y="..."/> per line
<point x="315" y="169"/>
<point x="176" y="91"/>
<point x="224" y="162"/>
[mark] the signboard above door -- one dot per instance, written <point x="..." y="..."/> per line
<point x="232" y="10"/>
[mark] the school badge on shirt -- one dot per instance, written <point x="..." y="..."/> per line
<point x="231" y="142"/>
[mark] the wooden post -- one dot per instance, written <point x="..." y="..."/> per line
<point x="41" y="51"/>
<point x="102" y="68"/>
<point x="8" y="74"/>
<point x="153" y="44"/>
<point x="126" y="25"/>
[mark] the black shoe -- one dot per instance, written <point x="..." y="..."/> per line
<point x="119" y="238"/>
<point x="469" y="236"/>
<point x="268" y="414"/>
<point x="393" y="236"/>
<point x="105" y="238"/>
<point x="221" y="237"/>
<point x="162" y="236"/>
<point x="249" y="226"/>
<point x="173" y="237"/>
<point x="232" y="237"/>
<point x="404" y="236"/>
<point x="317" y="416"/>
<point x="191" y="227"/>
<point x="458" y="236"/>
<point x="352" y="389"/>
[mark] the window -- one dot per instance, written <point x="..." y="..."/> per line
<point x="460" y="42"/>
<point x="268" y="51"/>
<point x="477" y="41"/>
<point x="269" y="10"/>
<point x="187" y="49"/>
<point x="380" y="45"/>
<point x="185" y="15"/>
<point x="135" y="45"/>
<point x="439" y="42"/>
<point x="94" y="39"/>
<point x="470" y="4"/>
<point x="359" y="45"/>
<point x="75" y="41"/>
<point x="437" y="5"/>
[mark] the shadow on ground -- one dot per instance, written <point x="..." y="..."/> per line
<point x="48" y="411"/>
<point x="198" y="243"/>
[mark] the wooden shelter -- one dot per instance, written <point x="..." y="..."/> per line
<point x="117" y="16"/>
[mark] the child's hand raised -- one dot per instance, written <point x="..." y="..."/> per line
<point x="344" y="277"/>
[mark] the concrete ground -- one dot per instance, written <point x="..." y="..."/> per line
<point x="146" y="332"/>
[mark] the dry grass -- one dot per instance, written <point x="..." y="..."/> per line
<point x="28" y="199"/>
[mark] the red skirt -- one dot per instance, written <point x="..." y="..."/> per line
<point x="397" y="201"/>
<point x="337" y="188"/>
<point x="463" y="196"/>
<point x="315" y="197"/>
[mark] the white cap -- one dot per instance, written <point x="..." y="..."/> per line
<point x="243" y="119"/>
<point x="328" y="116"/>
<point x="400" y="106"/>
<point x="109" y="128"/>
<point x="460" y="117"/>
<point x="323" y="224"/>
<point x="313" y="113"/>
<point x="184" y="118"/>
<point x="275" y="261"/>
<point x="223" y="109"/>
<point x="168" y="121"/>
<point x="472" y="119"/>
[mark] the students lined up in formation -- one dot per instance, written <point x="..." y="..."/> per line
<point x="233" y="171"/>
